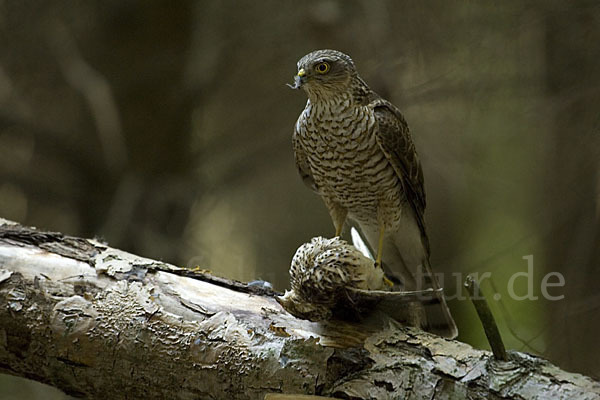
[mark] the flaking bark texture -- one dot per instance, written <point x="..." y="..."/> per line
<point x="97" y="322"/>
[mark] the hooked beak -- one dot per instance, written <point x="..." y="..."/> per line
<point x="299" y="79"/>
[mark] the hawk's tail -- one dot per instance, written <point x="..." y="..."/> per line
<point x="406" y="262"/>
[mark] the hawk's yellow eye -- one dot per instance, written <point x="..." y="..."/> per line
<point x="322" y="67"/>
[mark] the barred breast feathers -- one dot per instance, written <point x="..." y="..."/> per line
<point x="346" y="163"/>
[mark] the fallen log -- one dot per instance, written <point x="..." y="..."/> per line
<point x="97" y="322"/>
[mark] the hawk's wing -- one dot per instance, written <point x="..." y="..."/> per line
<point x="303" y="168"/>
<point x="395" y="142"/>
<point x="394" y="139"/>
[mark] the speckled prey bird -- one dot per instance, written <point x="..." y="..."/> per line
<point x="354" y="149"/>
<point x="321" y="272"/>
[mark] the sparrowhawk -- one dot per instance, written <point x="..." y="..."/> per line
<point x="354" y="149"/>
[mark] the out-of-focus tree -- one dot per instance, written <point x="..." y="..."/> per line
<point x="572" y="181"/>
<point x="96" y="120"/>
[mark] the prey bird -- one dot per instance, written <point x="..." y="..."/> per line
<point x="326" y="274"/>
<point x="331" y="278"/>
<point x="354" y="149"/>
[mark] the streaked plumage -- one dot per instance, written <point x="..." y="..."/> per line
<point x="321" y="273"/>
<point x="354" y="149"/>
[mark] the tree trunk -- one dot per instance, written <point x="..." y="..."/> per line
<point x="97" y="322"/>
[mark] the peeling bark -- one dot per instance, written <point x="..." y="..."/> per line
<point x="97" y="322"/>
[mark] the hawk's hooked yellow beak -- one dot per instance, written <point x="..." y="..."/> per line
<point x="299" y="79"/>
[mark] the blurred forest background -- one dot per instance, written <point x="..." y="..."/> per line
<point x="165" y="128"/>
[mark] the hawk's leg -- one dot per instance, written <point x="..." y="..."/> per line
<point x="380" y="252"/>
<point x="380" y="244"/>
<point x="338" y="221"/>
<point x="338" y="215"/>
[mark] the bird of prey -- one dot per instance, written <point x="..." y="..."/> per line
<point x="354" y="149"/>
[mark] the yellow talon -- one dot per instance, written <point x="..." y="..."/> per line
<point x="387" y="281"/>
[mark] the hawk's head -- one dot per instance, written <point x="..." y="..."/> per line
<point x="324" y="72"/>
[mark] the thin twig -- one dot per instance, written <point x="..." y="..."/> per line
<point x="487" y="319"/>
